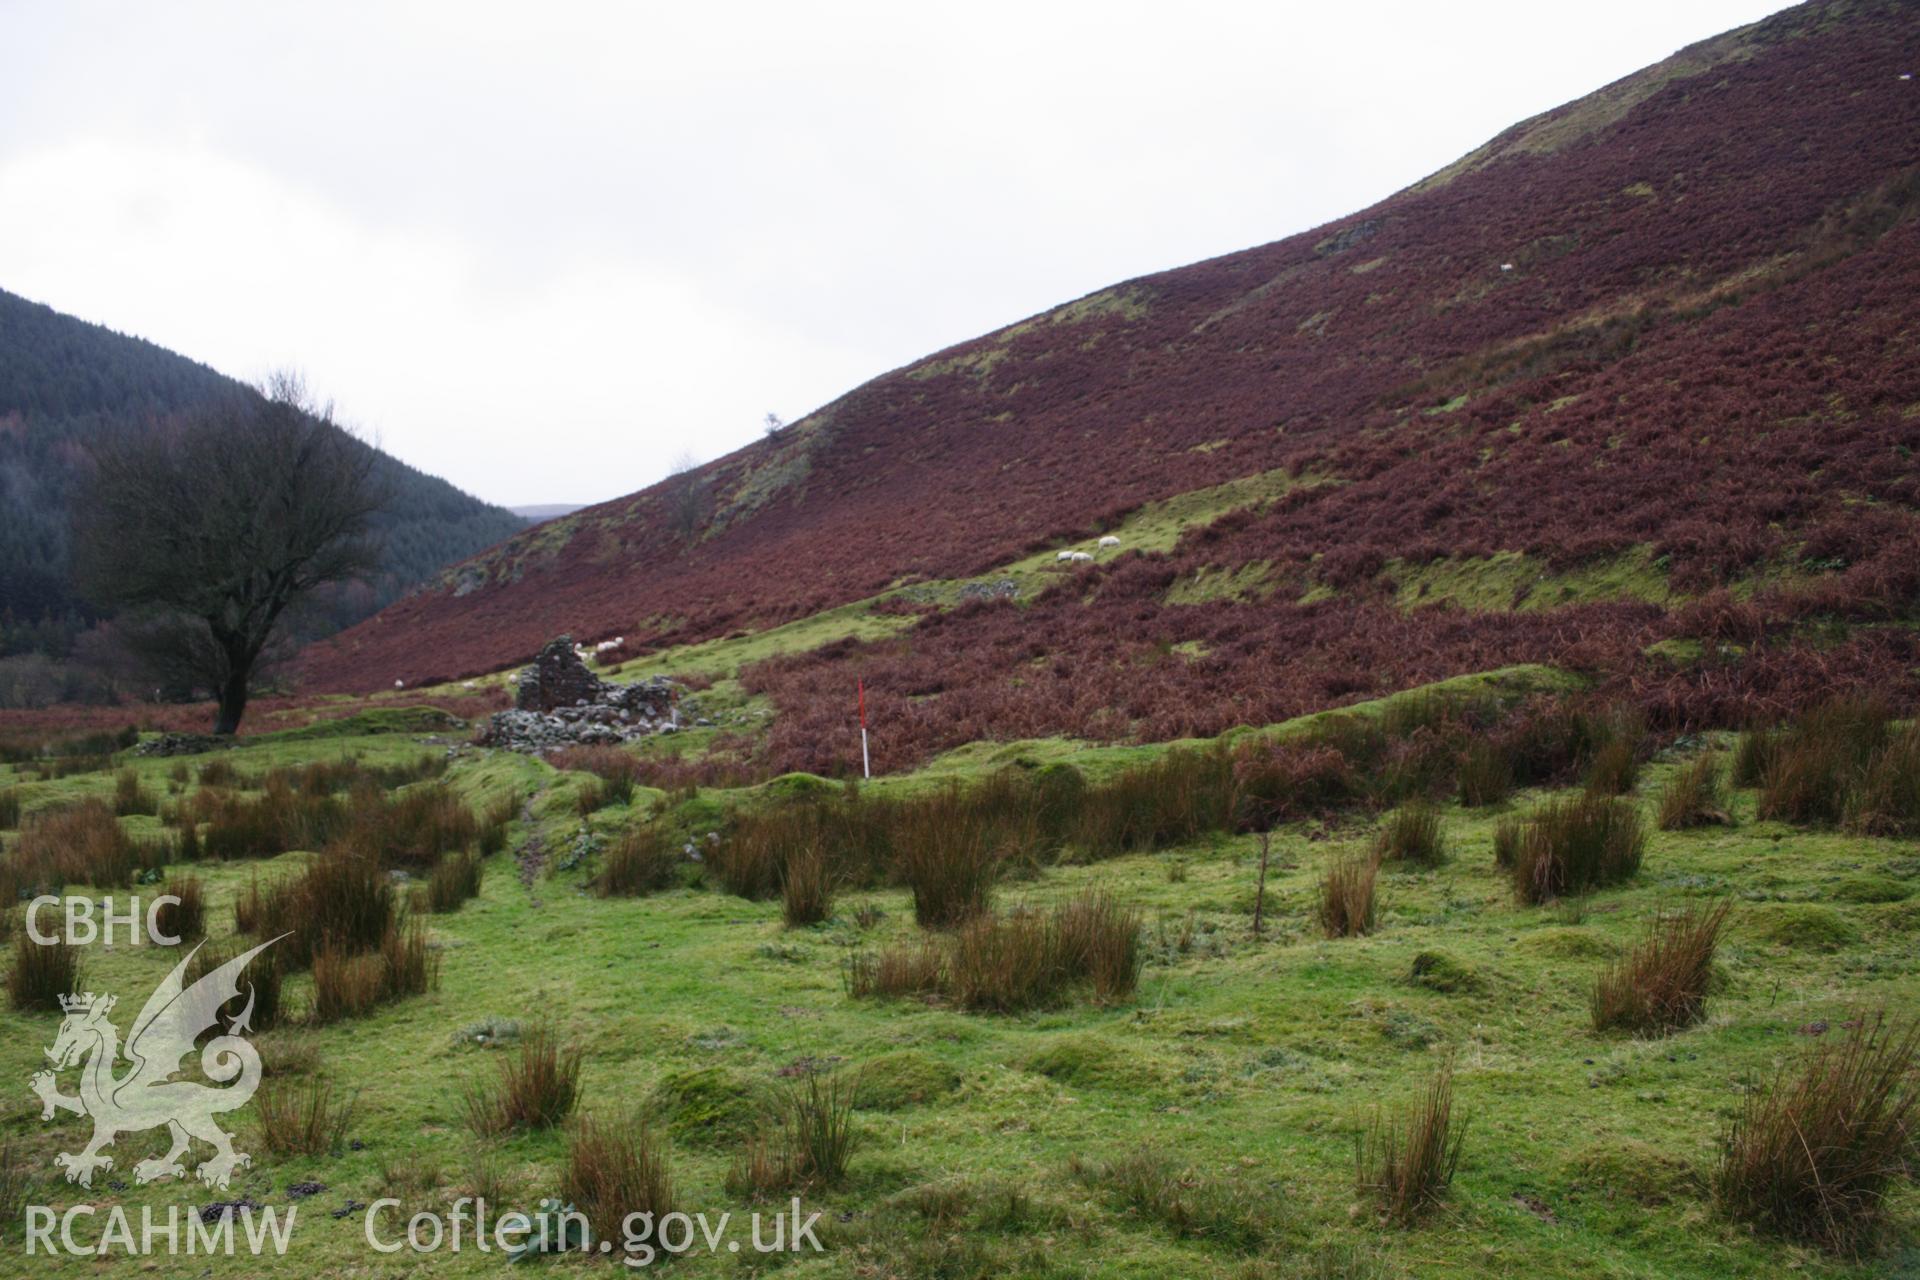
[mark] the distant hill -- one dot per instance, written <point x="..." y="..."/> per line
<point x="547" y="510"/>
<point x="1656" y="344"/>
<point x="63" y="379"/>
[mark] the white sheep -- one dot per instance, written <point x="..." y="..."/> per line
<point x="470" y="684"/>
<point x="399" y="684"/>
<point x="1064" y="556"/>
<point x="1109" y="541"/>
<point x="1506" y="266"/>
<point x="1079" y="555"/>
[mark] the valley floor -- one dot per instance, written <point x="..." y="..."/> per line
<point x="1250" y="1064"/>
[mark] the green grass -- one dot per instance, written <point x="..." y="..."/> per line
<point x="1252" y="1064"/>
<point x="724" y="658"/>
<point x="1513" y="580"/>
<point x="381" y="721"/>
<point x="1101" y="761"/>
<point x="1155" y="526"/>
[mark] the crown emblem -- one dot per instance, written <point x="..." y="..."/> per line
<point x="168" y="1029"/>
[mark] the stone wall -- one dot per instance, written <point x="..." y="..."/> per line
<point x="559" y="702"/>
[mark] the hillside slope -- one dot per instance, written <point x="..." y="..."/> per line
<point x="63" y="379"/>
<point x="1654" y="343"/>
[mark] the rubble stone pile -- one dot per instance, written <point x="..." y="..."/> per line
<point x="559" y="702"/>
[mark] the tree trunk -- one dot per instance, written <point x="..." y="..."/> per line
<point x="233" y="701"/>
<point x="1260" y="894"/>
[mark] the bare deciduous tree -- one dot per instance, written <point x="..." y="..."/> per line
<point x="686" y="496"/>
<point x="204" y="532"/>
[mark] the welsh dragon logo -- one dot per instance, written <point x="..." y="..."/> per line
<point x="147" y="1095"/>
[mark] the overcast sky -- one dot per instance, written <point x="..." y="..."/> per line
<point x="543" y="249"/>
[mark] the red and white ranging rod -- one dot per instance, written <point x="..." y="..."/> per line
<point x="866" y="767"/>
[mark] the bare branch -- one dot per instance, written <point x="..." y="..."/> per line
<point x="207" y="530"/>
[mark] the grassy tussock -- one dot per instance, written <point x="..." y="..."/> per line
<point x="949" y="859"/>
<point x="1412" y="834"/>
<point x="643" y="861"/>
<point x="1295" y="780"/>
<point x="493" y="826"/>
<point x="455" y="879"/>
<point x="1005" y="964"/>
<point x="1577" y="845"/>
<point x="413" y="828"/>
<point x="1843" y="763"/>
<point x="1615" y="769"/>
<point x="346" y="985"/>
<point x="1101" y="940"/>
<point x="948" y="844"/>
<point x="1553" y="740"/>
<point x="1507" y="835"/>
<point x="537" y="1086"/>
<point x="131" y="797"/>
<point x="1754" y="756"/>
<point x="36" y="749"/>
<point x="11" y="801"/>
<point x="1661" y="985"/>
<point x="349" y="984"/>
<point x="1231" y="1211"/>
<point x="1887" y="801"/>
<point x="186" y="918"/>
<point x="1486" y="774"/>
<point x="42" y="974"/>
<point x="303" y="809"/>
<point x="1817" y="763"/>
<point x="302" y="1118"/>
<point x="1814" y="1155"/>
<point x="1615" y="744"/>
<point x="1346" y="907"/>
<point x="412" y="968"/>
<point x="895" y="972"/>
<point x="1028" y="959"/>
<point x="1695" y="796"/>
<point x="763" y="1168"/>
<point x="614" y="1171"/>
<point x="747" y="863"/>
<point x="806" y="889"/>
<point x="349" y="773"/>
<point x="608" y="763"/>
<point x="218" y="773"/>
<point x="80" y="844"/>
<point x="281" y="820"/>
<point x="817" y="1112"/>
<point x="856" y="834"/>
<point x="260" y="984"/>
<point x="250" y="907"/>
<point x="1406" y="1161"/>
<point x="1023" y="960"/>
<point x="341" y="902"/>
<point x="603" y="793"/>
<point x="1182" y="795"/>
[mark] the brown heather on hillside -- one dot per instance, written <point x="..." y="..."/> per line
<point x="1662" y="337"/>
